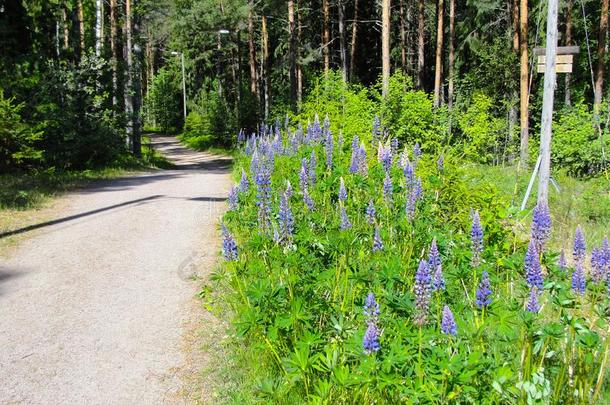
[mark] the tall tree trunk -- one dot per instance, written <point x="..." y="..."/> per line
<point x="352" y="62"/>
<point x="342" y="49"/>
<point x="410" y="39"/>
<point x="421" y="21"/>
<point x="252" y="49"/>
<point x="219" y="63"/>
<point x="512" y="112"/>
<point x="81" y="27"/>
<point x="265" y="66"/>
<point x="99" y="23"/>
<point x="438" y="66"/>
<point x="114" y="50"/>
<point x="451" y="54"/>
<point x="129" y="88"/>
<point x="326" y="34"/>
<point x="601" y="53"/>
<point x="568" y="42"/>
<point x="524" y="82"/>
<point x="66" y="28"/>
<point x="137" y="81"/>
<point x="515" y="23"/>
<point x="299" y="44"/>
<point x="385" y="45"/>
<point x="403" y="38"/>
<point x="292" y="57"/>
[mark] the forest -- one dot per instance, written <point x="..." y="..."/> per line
<point x="383" y="242"/>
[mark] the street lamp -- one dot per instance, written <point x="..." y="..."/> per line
<point x="183" y="80"/>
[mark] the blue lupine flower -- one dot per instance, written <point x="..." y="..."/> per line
<point x="229" y="247"/>
<point x="579" y="282"/>
<point x="418" y="189"/>
<point x="240" y="136"/>
<point x="541" y="225"/>
<point x="580" y="246"/>
<point x="409" y="175"/>
<point x="371" y="308"/>
<point x="313" y="165"/>
<point x="476" y="239"/>
<point x="422" y="289"/>
<point x="328" y="147"/>
<point x="244" y="183"/>
<point x="448" y="326"/>
<point x="233" y="199"/>
<point x="387" y="188"/>
<point x="394" y="146"/>
<point x="326" y="123"/>
<point x="440" y="163"/>
<point x="483" y="293"/>
<point x="377" y="242"/>
<point x="533" y="270"/>
<point x="376" y="130"/>
<point x="286" y="219"/>
<point x="355" y="159"/>
<point x="254" y="162"/>
<point x="342" y="190"/>
<point x="436" y="267"/>
<point x="598" y="265"/>
<point x="276" y="235"/>
<point x="562" y="263"/>
<point x="303" y="175"/>
<point x="385" y="157"/>
<point x="410" y="205"/>
<point x="308" y="200"/>
<point x="532" y="304"/>
<point x="263" y="195"/>
<point x="345" y="222"/>
<point x="606" y="254"/>
<point x="370" y="342"/>
<point x="362" y="165"/>
<point x="370" y="212"/>
<point x="416" y="152"/>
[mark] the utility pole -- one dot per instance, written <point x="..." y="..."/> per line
<point x="550" y="76"/>
<point x="385" y="46"/>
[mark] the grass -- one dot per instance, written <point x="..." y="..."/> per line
<point x="205" y="143"/>
<point x="584" y="202"/>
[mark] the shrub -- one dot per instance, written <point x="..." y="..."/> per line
<point x="480" y="130"/>
<point x="163" y="105"/>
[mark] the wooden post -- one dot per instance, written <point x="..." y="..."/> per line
<point x="550" y="76"/>
<point x="524" y="82"/>
<point x="438" y="66"/>
<point x="385" y="45"/>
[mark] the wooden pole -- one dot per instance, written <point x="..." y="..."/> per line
<point x="524" y="82"/>
<point x="438" y="69"/>
<point x="385" y="45"/>
<point x="550" y="77"/>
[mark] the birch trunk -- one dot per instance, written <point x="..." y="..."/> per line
<point x="326" y="35"/>
<point x="352" y="62"/>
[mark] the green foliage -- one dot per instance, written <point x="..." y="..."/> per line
<point x="480" y="130"/>
<point x="17" y="139"/>
<point x="163" y="103"/>
<point x="576" y="144"/>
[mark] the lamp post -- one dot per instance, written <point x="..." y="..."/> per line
<point x="183" y="80"/>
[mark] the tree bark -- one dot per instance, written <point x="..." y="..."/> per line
<point x="265" y="66"/>
<point x="421" y="21"/>
<point x="66" y="28"/>
<point x="515" y="23"/>
<point x="403" y="38"/>
<point x="342" y="48"/>
<point x="385" y="46"/>
<point x="114" y="50"/>
<point x="568" y="40"/>
<point x="128" y="91"/>
<point x="451" y="54"/>
<point x="601" y="53"/>
<point x="137" y="81"/>
<point x="252" y="49"/>
<point x="292" y="57"/>
<point x="299" y="44"/>
<point x="524" y="82"/>
<point x="326" y="34"/>
<point x="352" y="62"/>
<point x="81" y="27"/>
<point x="438" y="67"/>
<point x="99" y="23"/>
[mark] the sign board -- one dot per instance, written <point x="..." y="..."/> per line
<point x="563" y="59"/>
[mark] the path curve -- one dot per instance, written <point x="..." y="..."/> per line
<point x="94" y="304"/>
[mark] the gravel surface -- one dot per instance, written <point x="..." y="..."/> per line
<point x="95" y="303"/>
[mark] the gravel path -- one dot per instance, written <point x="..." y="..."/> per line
<point x="95" y="303"/>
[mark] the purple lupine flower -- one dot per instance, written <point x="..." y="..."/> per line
<point x="385" y="157"/>
<point x="342" y="190"/>
<point x="579" y="281"/>
<point x="308" y="200"/>
<point x="313" y="166"/>
<point x="355" y="159"/>
<point x="370" y="342"/>
<point x="476" y="239"/>
<point x="345" y="222"/>
<point x="394" y="146"/>
<point x="541" y="225"/>
<point x="387" y="188"/>
<point x="533" y="270"/>
<point x="562" y="263"/>
<point x="229" y="247"/>
<point x="362" y="165"/>
<point x="409" y="175"/>
<point x="418" y="189"/>
<point x="436" y="268"/>
<point x="580" y="246"/>
<point x="376" y="130"/>
<point x="422" y="289"/>
<point x="233" y="199"/>
<point x="598" y="265"/>
<point x="377" y="242"/>
<point x="448" y="326"/>
<point x="371" y="308"/>
<point x="289" y="190"/>
<point x="605" y="249"/>
<point x="326" y="123"/>
<point x="440" y="163"/>
<point x="370" y="212"/>
<point x="532" y="304"/>
<point x="276" y="235"/>
<point x="483" y="293"/>
<point x="410" y="205"/>
<point x="328" y="147"/>
<point x="303" y="175"/>
<point x="254" y="162"/>
<point x="286" y="218"/>
<point x="240" y="136"/>
<point x="263" y="195"/>
<point x="244" y="183"/>
<point x="416" y="152"/>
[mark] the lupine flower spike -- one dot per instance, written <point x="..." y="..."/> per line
<point x="579" y="282"/>
<point x="422" y="293"/>
<point x="244" y="183"/>
<point x="533" y="270"/>
<point x="448" y="326"/>
<point x="370" y="342"/>
<point x="562" y="263"/>
<point x="342" y="191"/>
<point x="371" y="308"/>
<point x="286" y="219"/>
<point x="308" y="200"/>
<point x="541" y="226"/>
<point x="483" y="294"/>
<point x="345" y="222"/>
<point x="580" y="246"/>
<point x="233" y="199"/>
<point x="229" y="247"/>
<point x="532" y="304"/>
<point x="387" y="188"/>
<point x="476" y="239"/>
<point x="436" y="268"/>
<point x="370" y="212"/>
<point x="377" y="242"/>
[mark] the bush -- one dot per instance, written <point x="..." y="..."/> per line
<point x="480" y="130"/>
<point x="163" y="105"/>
